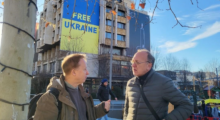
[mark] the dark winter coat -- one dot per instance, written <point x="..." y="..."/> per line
<point x="159" y="91"/>
<point x="103" y="93"/>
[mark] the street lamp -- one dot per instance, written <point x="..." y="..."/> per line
<point x="217" y="75"/>
<point x="111" y="47"/>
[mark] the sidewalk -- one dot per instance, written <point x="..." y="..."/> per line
<point x="115" y="112"/>
<point x="111" y="119"/>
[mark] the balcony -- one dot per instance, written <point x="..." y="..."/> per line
<point x="121" y="19"/>
<point x="121" y="44"/>
<point x="115" y="57"/>
<point x="109" y="16"/>
<point x="39" y="63"/>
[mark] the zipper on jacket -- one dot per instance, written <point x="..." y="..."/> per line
<point x="137" y="108"/>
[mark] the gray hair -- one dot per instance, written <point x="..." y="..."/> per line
<point x="150" y="57"/>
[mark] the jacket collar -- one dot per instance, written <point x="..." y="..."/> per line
<point x="64" y="96"/>
<point x="147" y="79"/>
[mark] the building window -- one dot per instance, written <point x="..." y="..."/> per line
<point x="59" y="66"/>
<point x="116" y="70"/>
<point x="52" y="67"/>
<point x="124" y="70"/>
<point x="121" y="37"/>
<point x="115" y="51"/>
<point x="45" y="68"/>
<point x="38" y="69"/>
<point x="121" y="13"/>
<point x="119" y="1"/>
<point x="121" y="25"/>
<point x="108" y="22"/>
<point x="108" y="10"/>
<point x="108" y="35"/>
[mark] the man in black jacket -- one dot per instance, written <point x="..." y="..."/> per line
<point x="103" y="93"/>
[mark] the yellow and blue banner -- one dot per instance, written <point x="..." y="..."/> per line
<point x="80" y="29"/>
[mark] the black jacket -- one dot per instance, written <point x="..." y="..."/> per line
<point x="103" y="93"/>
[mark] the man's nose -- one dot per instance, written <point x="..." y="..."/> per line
<point x="133" y="65"/>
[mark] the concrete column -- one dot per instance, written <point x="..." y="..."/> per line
<point x="102" y="24"/>
<point x="116" y="25"/>
<point x="17" y="51"/>
<point x="127" y="31"/>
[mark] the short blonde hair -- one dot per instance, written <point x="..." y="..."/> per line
<point x="70" y="62"/>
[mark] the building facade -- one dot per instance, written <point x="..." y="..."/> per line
<point x="50" y="31"/>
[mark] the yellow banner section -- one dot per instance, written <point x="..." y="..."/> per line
<point x="212" y="101"/>
<point x="83" y="39"/>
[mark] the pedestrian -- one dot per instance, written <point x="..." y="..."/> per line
<point x="103" y="93"/>
<point x="76" y="103"/>
<point x="149" y="93"/>
<point x="87" y="90"/>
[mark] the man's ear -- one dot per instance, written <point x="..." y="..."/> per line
<point x="73" y="72"/>
<point x="150" y="65"/>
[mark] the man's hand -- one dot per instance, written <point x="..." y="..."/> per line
<point x="116" y="98"/>
<point x="107" y="105"/>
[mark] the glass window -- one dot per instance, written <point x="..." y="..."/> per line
<point x="116" y="70"/>
<point x="108" y="35"/>
<point x="59" y="66"/>
<point x="52" y="66"/>
<point x="124" y="63"/>
<point x="121" y="25"/>
<point x="121" y="13"/>
<point x="45" y="68"/>
<point x="108" y="9"/>
<point x="121" y="37"/>
<point x="116" y="51"/>
<point x="125" y="70"/>
<point x="38" y="69"/>
<point x="108" y="22"/>
<point x="116" y="62"/>
<point x="119" y="1"/>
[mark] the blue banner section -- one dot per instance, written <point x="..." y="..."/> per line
<point x="82" y="12"/>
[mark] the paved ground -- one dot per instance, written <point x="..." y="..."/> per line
<point x="111" y="119"/>
<point x="115" y="112"/>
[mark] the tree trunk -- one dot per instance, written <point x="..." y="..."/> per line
<point x="17" y="51"/>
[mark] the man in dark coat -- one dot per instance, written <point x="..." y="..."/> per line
<point x="103" y="93"/>
<point x="158" y="89"/>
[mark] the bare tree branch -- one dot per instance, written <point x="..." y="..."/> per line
<point x="72" y="17"/>
<point x="191" y="2"/>
<point x="178" y="20"/>
<point x="198" y="5"/>
<point x="154" y="11"/>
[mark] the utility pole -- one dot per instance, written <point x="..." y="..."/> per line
<point x="17" y="51"/>
<point x="217" y="75"/>
<point x="200" y="73"/>
<point x="111" y="47"/>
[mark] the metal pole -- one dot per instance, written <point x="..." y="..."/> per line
<point x="111" y="47"/>
<point x="200" y="73"/>
<point x="217" y="75"/>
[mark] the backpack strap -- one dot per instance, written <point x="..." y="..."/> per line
<point x="56" y="93"/>
<point x="148" y="103"/>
